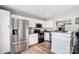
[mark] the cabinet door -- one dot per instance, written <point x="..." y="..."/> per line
<point x="33" y="39"/>
<point x="32" y="23"/>
<point x="46" y="36"/>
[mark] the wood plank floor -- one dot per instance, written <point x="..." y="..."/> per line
<point x="41" y="48"/>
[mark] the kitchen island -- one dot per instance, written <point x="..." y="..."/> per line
<point x="60" y="42"/>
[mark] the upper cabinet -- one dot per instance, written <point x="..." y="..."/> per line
<point x="33" y="22"/>
<point x="49" y="24"/>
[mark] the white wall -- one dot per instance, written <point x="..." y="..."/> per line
<point x="4" y="31"/>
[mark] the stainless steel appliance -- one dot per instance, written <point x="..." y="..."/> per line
<point x="19" y="35"/>
<point x="40" y="35"/>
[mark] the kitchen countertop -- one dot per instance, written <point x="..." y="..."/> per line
<point x="33" y="33"/>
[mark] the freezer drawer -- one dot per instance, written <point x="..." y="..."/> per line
<point x="15" y="48"/>
<point x="23" y="46"/>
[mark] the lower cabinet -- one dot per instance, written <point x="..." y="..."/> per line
<point x="33" y="39"/>
<point x="47" y="36"/>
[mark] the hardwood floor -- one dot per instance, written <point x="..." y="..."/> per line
<point x="41" y="48"/>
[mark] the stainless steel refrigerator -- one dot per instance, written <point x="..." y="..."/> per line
<point x="19" y="35"/>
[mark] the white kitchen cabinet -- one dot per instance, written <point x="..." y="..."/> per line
<point x="61" y="43"/>
<point x="32" y="23"/>
<point x="33" y="39"/>
<point x="47" y="36"/>
<point x="4" y="31"/>
<point x="49" y="24"/>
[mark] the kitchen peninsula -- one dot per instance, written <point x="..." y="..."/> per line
<point x="61" y="42"/>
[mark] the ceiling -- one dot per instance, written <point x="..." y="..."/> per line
<point x="43" y="12"/>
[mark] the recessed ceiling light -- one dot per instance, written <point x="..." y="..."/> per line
<point x="47" y="13"/>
